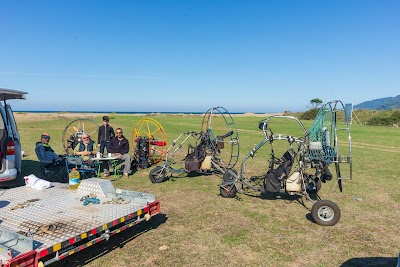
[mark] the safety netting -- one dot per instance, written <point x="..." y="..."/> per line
<point x="321" y="135"/>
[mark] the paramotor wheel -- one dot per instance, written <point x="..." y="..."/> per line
<point x="158" y="174"/>
<point x="228" y="188"/>
<point x="72" y="134"/>
<point x="224" y="140"/>
<point x="325" y="213"/>
<point x="156" y="139"/>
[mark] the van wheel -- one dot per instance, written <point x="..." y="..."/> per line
<point x="325" y="213"/>
<point x="158" y="174"/>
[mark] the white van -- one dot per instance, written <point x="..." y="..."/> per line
<point x="10" y="146"/>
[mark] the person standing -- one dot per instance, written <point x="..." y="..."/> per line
<point x="105" y="134"/>
<point x="119" y="146"/>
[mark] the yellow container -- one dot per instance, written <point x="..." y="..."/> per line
<point x="206" y="164"/>
<point x="293" y="183"/>
<point x="74" y="179"/>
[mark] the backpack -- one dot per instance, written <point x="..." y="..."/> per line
<point x="274" y="177"/>
<point x="194" y="159"/>
<point x="142" y="152"/>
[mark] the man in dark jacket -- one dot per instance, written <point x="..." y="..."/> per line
<point x="46" y="154"/>
<point x="119" y="146"/>
<point x="105" y="134"/>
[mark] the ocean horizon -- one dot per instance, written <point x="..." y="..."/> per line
<point x="132" y="112"/>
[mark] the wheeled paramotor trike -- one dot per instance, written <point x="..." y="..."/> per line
<point x="304" y="165"/>
<point x="214" y="149"/>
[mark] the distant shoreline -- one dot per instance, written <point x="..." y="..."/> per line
<point x="46" y="115"/>
<point x="137" y="112"/>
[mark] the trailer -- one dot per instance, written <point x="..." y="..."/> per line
<point x="39" y="227"/>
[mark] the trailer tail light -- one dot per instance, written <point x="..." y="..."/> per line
<point x="10" y="148"/>
<point x="28" y="259"/>
<point x="154" y="208"/>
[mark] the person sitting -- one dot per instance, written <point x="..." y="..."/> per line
<point x="119" y="146"/>
<point x="46" y="154"/>
<point x="86" y="149"/>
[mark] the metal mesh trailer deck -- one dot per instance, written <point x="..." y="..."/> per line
<point x="55" y="223"/>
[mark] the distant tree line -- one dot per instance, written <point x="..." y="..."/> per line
<point x="387" y="118"/>
<point x="369" y="117"/>
<point x="372" y="118"/>
<point x="309" y="114"/>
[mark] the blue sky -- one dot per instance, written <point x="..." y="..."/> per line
<point x="161" y="55"/>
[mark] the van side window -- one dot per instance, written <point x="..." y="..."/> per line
<point x="2" y="130"/>
<point x="3" y="136"/>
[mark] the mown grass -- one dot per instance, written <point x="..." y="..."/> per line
<point x="198" y="227"/>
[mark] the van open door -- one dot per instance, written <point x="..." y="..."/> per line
<point x="10" y="142"/>
<point x="7" y="94"/>
<point x="15" y="138"/>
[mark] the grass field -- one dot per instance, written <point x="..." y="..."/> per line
<point x="198" y="227"/>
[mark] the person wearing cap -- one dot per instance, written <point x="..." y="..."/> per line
<point x="45" y="153"/>
<point x="105" y="134"/>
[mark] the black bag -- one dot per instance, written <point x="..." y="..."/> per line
<point x="142" y="152"/>
<point x="193" y="160"/>
<point x="271" y="184"/>
<point x="273" y="178"/>
<point x="326" y="175"/>
<point x="192" y="163"/>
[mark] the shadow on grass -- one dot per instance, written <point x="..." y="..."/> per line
<point x="288" y="199"/>
<point x="115" y="242"/>
<point x="370" y="262"/>
<point x="183" y="174"/>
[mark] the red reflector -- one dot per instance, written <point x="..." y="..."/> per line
<point x="43" y="253"/>
<point x="10" y="148"/>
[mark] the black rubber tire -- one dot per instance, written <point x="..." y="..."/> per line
<point x="230" y="190"/>
<point x="325" y="213"/>
<point x="318" y="185"/>
<point x="158" y="175"/>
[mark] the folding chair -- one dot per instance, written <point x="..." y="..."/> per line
<point x="51" y="172"/>
<point x="85" y="170"/>
<point x="115" y="167"/>
<point x="118" y="167"/>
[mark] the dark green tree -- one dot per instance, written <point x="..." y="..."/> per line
<point x="315" y="102"/>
